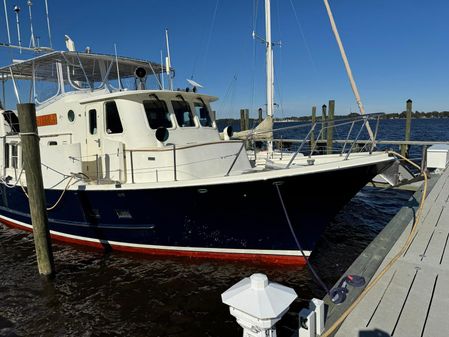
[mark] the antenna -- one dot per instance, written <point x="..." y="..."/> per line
<point x="118" y="70"/>
<point x="194" y="84"/>
<point x="48" y="23"/>
<point x="32" y="40"/>
<point x="17" y="10"/>
<point x="162" y="72"/>
<point x="7" y="22"/>
<point x="168" y="60"/>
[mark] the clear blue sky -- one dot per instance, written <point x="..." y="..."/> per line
<point x="398" y="49"/>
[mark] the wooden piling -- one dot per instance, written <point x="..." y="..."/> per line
<point x="244" y="119"/>
<point x="330" y="124"/>
<point x="408" y="126"/>
<point x="323" y="122"/>
<point x="38" y="209"/>
<point x="424" y="158"/>
<point x="312" y="134"/>
<point x="260" y="115"/>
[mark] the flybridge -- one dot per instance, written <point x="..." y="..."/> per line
<point x="82" y="66"/>
<point x="74" y="71"/>
<point x="53" y="73"/>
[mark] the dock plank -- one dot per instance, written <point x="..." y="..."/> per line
<point x="390" y="307"/>
<point x="411" y="299"/>
<point x="437" y="322"/>
<point x="444" y="260"/>
<point x="433" y="195"/>
<point x="425" y="233"/>
<point x="411" y="321"/>
<point x="437" y="245"/>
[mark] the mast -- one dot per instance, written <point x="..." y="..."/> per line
<point x="355" y="90"/>
<point x="269" y="69"/>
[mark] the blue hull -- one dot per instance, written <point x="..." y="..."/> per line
<point x="200" y="220"/>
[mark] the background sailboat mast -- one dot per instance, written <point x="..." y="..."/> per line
<point x="355" y="90"/>
<point x="270" y="69"/>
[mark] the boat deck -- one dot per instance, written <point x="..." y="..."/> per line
<point x="412" y="298"/>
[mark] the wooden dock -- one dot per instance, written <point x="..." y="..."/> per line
<point x="412" y="298"/>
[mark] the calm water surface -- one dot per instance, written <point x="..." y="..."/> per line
<point x="112" y="294"/>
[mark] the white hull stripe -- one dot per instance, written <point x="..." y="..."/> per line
<point x="172" y="248"/>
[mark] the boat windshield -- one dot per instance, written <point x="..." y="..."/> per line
<point x="183" y="114"/>
<point x="157" y="114"/>
<point x="203" y="114"/>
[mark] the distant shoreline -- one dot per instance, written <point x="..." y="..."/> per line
<point x="402" y="115"/>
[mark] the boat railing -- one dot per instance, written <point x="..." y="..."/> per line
<point x="55" y="135"/>
<point x="131" y="161"/>
<point x="310" y="145"/>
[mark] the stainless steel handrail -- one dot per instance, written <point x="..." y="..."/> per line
<point x="301" y="146"/>
<point x="353" y="143"/>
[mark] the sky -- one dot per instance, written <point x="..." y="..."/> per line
<point x="398" y="49"/>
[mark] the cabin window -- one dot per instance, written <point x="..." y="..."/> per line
<point x="202" y="112"/>
<point x="6" y="155"/>
<point x="93" y="122"/>
<point x="157" y="114"/>
<point x="71" y="116"/>
<point x="113" y="122"/>
<point x="14" y="156"/>
<point x="11" y="156"/>
<point x="183" y="114"/>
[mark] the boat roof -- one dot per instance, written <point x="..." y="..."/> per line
<point x="81" y="64"/>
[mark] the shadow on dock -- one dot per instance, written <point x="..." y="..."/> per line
<point x="373" y="333"/>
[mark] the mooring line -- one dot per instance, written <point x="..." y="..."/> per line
<point x="312" y="270"/>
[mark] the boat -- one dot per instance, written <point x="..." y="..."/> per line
<point x="143" y="169"/>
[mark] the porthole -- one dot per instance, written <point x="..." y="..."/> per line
<point x="71" y="115"/>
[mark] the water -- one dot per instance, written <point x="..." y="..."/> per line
<point x="113" y="294"/>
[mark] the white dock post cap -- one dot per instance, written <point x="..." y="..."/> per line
<point x="257" y="303"/>
<point x="259" y="281"/>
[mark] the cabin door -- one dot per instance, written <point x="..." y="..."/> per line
<point x="94" y="135"/>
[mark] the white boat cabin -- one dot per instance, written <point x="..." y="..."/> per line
<point x="98" y="116"/>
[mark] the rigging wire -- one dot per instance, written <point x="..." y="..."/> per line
<point x="303" y="37"/>
<point x="228" y="92"/>
<point x="209" y="38"/>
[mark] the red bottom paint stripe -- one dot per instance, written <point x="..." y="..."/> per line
<point x="259" y="258"/>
